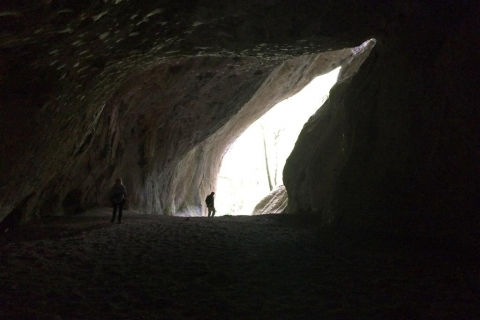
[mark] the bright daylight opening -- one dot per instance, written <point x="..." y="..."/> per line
<point x="253" y="165"/>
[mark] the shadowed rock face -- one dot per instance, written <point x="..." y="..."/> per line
<point x="154" y="92"/>
<point x="394" y="145"/>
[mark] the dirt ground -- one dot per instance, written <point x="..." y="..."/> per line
<point x="244" y="267"/>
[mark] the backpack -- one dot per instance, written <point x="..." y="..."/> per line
<point x="117" y="195"/>
<point x="209" y="200"/>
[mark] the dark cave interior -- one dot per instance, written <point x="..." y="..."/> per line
<point x="155" y="91"/>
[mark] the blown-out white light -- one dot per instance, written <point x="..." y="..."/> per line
<point x="242" y="180"/>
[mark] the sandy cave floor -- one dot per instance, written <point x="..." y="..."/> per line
<point x="262" y="267"/>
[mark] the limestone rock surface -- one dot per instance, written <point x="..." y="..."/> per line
<point x="392" y="148"/>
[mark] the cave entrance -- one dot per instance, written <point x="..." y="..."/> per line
<point x="253" y="165"/>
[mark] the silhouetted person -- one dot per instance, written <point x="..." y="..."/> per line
<point x="210" y="204"/>
<point x="118" y="194"/>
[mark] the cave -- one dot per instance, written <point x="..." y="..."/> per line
<point x="154" y="92"/>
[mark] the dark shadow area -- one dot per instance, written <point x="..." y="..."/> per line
<point x="72" y="204"/>
<point x="15" y="217"/>
<point x="261" y="267"/>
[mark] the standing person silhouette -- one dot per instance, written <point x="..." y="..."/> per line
<point x="210" y="204"/>
<point x="118" y="194"/>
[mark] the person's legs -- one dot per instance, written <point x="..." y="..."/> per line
<point x="209" y="211"/>
<point x="113" y="212"/>
<point x="213" y="212"/>
<point x="120" y="211"/>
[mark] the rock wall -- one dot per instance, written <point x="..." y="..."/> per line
<point x="396" y="145"/>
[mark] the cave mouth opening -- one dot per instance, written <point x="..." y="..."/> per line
<point x="253" y="165"/>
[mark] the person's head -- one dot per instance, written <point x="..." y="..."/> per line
<point x="118" y="181"/>
<point x="213" y="193"/>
